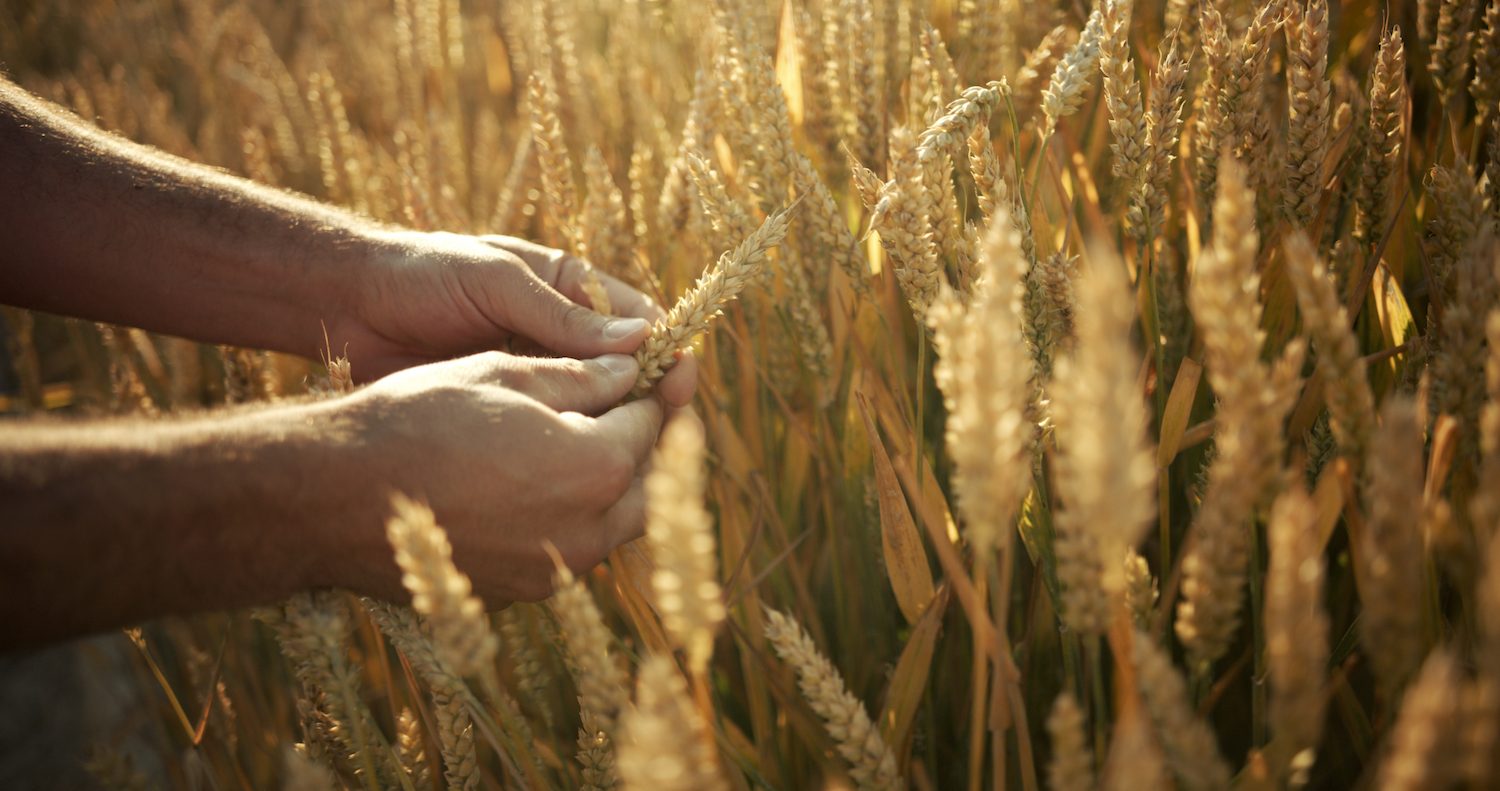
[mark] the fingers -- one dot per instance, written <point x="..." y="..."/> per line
<point x="536" y="310"/>
<point x="681" y="380"/>
<point x="632" y="428"/>
<point x="572" y="272"/>
<point x="566" y="274"/>
<point x="625" y="521"/>
<point x="565" y="384"/>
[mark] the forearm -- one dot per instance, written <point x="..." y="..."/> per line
<point x="102" y="228"/>
<point x="110" y="524"/>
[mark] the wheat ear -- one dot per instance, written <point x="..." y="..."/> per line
<point x="1392" y="554"/>
<point x="1449" y="65"/>
<point x="1122" y="94"/>
<point x="983" y="370"/>
<point x="667" y="746"/>
<point x="1186" y="738"/>
<point x="1351" y="407"/>
<point x="1072" y="766"/>
<point x="1308" y="96"/>
<point x="697" y="308"/>
<point x="552" y="153"/>
<point x="871" y="763"/>
<point x="1148" y="211"/>
<point x="600" y="681"/>
<point x="1423" y="738"/>
<point x="1253" y="400"/>
<point x="438" y="589"/>
<point x="681" y="535"/>
<point x="1383" y="147"/>
<point x="1106" y="475"/>
<point x="1064" y="94"/>
<point x="1296" y="626"/>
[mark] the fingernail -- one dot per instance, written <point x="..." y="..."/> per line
<point x="617" y="363"/>
<point x="616" y="329"/>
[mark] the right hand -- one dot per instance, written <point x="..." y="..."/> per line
<point x="511" y="452"/>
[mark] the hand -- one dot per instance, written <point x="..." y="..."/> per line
<point x="510" y="452"/>
<point x="435" y="296"/>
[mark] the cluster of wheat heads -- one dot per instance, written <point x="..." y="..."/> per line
<point x="1094" y="396"/>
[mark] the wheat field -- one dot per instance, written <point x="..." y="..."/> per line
<point x="1092" y="397"/>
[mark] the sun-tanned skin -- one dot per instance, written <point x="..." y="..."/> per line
<point x="106" y="523"/>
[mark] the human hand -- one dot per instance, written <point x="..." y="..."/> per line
<point x="434" y="296"/>
<point x="511" y="453"/>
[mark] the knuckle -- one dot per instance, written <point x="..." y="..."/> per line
<point x="516" y="376"/>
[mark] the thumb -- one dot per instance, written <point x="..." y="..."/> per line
<point x="569" y="385"/>
<point x="565" y="327"/>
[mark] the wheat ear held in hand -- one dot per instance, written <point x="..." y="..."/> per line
<point x="698" y="307"/>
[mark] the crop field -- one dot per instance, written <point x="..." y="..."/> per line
<point x="1093" y="397"/>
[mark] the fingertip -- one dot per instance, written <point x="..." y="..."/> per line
<point x="625" y="332"/>
<point x="680" y="383"/>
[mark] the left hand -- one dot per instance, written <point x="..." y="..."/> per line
<point x="435" y="296"/>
